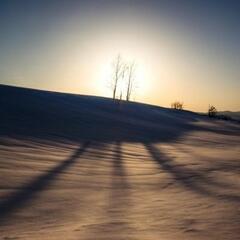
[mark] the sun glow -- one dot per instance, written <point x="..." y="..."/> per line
<point x="105" y="78"/>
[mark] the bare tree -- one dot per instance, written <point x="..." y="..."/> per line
<point x="123" y="80"/>
<point x="118" y="73"/>
<point x="130" y="80"/>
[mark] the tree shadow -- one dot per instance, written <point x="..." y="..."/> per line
<point x="119" y="169"/>
<point x="193" y="180"/>
<point x="23" y="196"/>
<point x="119" y="200"/>
<point x="111" y="219"/>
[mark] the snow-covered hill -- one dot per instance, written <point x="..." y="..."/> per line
<point x="84" y="167"/>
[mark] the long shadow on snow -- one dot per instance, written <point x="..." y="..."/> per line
<point x="120" y="196"/>
<point x="118" y="203"/>
<point x="23" y="196"/>
<point x="192" y="180"/>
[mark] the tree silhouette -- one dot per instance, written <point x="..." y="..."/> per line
<point x="118" y="74"/>
<point x="177" y="105"/>
<point x="130" y="80"/>
<point x="212" y="111"/>
<point x="123" y="78"/>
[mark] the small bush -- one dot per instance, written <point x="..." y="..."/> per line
<point x="224" y="117"/>
<point x="177" y="105"/>
<point x="212" y="111"/>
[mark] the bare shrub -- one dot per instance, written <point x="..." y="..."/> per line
<point x="212" y="111"/>
<point x="177" y="105"/>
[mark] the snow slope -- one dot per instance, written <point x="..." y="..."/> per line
<point x="83" y="167"/>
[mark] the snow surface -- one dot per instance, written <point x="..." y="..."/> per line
<point x="83" y="167"/>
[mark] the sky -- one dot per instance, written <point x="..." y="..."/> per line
<point x="184" y="50"/>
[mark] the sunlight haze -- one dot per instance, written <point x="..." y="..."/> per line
<point x="69" y="46"/>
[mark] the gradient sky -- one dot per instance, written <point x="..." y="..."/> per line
<point x="185" y="50"/>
